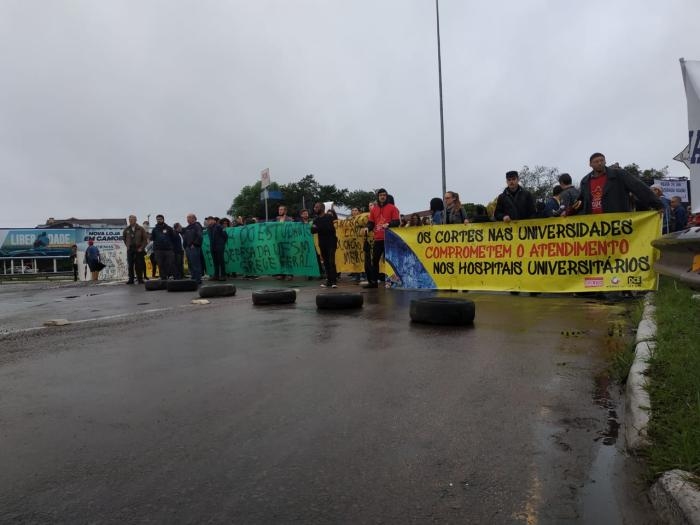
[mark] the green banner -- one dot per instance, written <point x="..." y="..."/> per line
<point x="267" y="248"/>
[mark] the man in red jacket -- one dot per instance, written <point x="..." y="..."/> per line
<point x="382" y="216"/>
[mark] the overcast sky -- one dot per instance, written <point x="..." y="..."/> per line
<point x="114" y="107"/>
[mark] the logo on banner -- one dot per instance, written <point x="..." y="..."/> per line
<point x="593" y="282"/>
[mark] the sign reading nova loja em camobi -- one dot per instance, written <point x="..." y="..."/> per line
<point x="588" y="253"/>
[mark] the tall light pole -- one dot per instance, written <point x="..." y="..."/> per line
<point x="442" y="123"/>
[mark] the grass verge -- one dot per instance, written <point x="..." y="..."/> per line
<point x="674" y="381"/>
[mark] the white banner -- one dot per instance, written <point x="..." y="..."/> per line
<point x="673" y="188"/>
<point x="112" y="252"/>
<point x="691" y="79"/>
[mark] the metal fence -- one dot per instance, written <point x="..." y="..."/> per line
<point x="680" y="256"/>
<point x="13" y="267"/>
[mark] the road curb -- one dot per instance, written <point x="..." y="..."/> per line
<point x="636" y="396"/>
<point x="675" y="498"/>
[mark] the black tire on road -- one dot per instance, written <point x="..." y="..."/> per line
<point x="442" y="311"/>
<point x="182" y="285"/>
<point x="155" y="284"/>
<point x="274" y="296"/>
<point x="339" y="301"/>
<point x="217" y="290"/>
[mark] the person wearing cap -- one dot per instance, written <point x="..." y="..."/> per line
<point x="666" y="219"/>
<point x="382" y="216"/>
<point x="606" y="189"/>
<point x="217" y="244"/>
<point x="515" y="203"/>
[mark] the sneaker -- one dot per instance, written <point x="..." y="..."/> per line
<point x="130" y="281"/>
<point x="324" y="285"/>
<point x="334" y="286"/>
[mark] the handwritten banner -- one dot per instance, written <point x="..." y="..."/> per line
<point x="267" y="248"/>
<point x="571" y="254"/>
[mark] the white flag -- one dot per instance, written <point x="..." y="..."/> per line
<point x="691" y="79"/>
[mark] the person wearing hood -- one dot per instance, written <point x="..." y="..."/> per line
<point x="382" y="216"/>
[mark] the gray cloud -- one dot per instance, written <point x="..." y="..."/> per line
<point x="112" y="107"/>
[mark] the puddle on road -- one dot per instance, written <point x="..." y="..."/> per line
<point x="601" y="397"/>
<point x="598" y="497"/>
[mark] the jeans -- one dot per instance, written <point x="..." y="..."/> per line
<point x="194" y="261"/>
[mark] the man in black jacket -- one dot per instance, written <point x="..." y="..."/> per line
<point x="324" y="226"/>
<point x="515" y="203"/>
<point x="192" y="242"/>
<point x="607" y="190"/>
<point x="217" y="243"/>
<point x="163" y="237"/>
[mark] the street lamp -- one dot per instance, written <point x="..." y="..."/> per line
<point x="442" y="124"/>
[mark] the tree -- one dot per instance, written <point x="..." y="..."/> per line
<point x="331" y="193"/>
<point x="295" y="195"/>
<point x="647" y="175"/>
<point x="302" y="194"/>
<point x="359" y="199"/>
<point x="539" y="180"/>
<point x="248" y="203"/>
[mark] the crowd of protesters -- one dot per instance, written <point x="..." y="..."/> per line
<point x="605" y="189"/>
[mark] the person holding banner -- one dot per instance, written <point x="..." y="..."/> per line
<point x="382" y="216"/>
<point x="283" y="217"/>
<point x="606" y="189"/>
<point x="217" y="242"/>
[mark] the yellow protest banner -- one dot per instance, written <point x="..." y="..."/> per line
<point x="350" y="254"/>
<point x="605" y="252"/>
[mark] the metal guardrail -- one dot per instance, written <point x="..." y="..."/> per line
<point x="680" y="256"/>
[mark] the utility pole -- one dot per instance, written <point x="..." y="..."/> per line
<point x="442" y="124"/>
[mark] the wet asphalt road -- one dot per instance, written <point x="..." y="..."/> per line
<point x="168" y="412"/>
